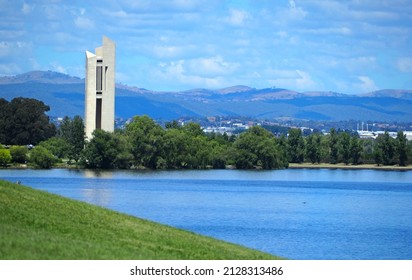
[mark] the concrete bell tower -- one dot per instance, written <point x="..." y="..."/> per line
<point x="100" y="88"/>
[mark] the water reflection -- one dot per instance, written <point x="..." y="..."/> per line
<point x="97" y="196"/>
<point x="88" y="173"/>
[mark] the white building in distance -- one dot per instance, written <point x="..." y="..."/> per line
<point x="100" y="88"/>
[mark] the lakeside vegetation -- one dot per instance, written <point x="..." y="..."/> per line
<point x="68" y="229"/>
<point x="145" y="144"/>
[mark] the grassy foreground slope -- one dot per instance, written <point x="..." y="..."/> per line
<point x="39" y="225"/>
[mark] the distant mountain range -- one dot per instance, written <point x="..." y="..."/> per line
<point x="65" y="96"/>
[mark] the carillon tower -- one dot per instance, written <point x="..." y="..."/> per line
<point x="100" y="88"/>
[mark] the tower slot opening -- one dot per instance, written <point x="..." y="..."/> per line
<point x="98" y="113"/>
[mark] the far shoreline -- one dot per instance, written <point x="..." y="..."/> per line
<point x="349" y="166"/>
<point x="305" y="165"/>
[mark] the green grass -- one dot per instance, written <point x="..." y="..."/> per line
<point x="39" y="225"/>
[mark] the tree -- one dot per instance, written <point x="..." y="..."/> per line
<point x="355" y="150"/>
<point x="313" y="145"/>
<point x="258" y="147"/>
<point x="344" y="141"/>
<point x="193" y="129"/>
<point x="5" y="157"/>
<point x="4" y="121"/>
<point x="333" y="146"/>
<point x="146" y="140"/>
<point x="402" y="148"/>
<point x="19" y="154"/>
<point x="386" y="146"/>
<point x="42" y="158"/>
<point x="58" y="146"/>
<point x="72" y="131"/>
<point x="23" y="121"/>
<point x="296" y="146"/>
<point x="106" y="150"/>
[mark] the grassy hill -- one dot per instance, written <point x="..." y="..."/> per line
<point x="40" y="225"/>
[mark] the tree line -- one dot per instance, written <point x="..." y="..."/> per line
<point x="145" y="144"/>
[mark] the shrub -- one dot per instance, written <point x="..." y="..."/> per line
<point x="19" y="154"/>
<point x="5" y="157"/>
<point x="41" y="158"/>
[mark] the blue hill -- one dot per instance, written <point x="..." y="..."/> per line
<point x="65" y="96"/>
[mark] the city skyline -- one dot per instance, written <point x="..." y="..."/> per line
<point x="343" y="46"/>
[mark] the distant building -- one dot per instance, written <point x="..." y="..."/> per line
<point x="100" y="88"/>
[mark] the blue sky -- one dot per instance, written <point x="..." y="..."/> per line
<point x="352" y="46"/>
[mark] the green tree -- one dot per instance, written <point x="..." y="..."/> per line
<point x="146" y="140"/>
<point x="296" y="146"/>
<point x="176" y="148"/>
<point x="72" y="131"/>
<point x="19" y="154"/>
<point x="313" y="146"/>
<point x="386" y="148"/>
<point x="4" y="120"/>
<point x="344" y="147"/>
<point x="101" y="151"/>
<point x="124" y="158"/>
<point x="333" y="146"/>
<point x="258" y="147"/>
<point x="218" y="155"/>
<point x="356" y="150"/>
<point x="402" y="148"/>
<point x="23" y="121"/>
<point x="193" y="129"/>
<point x="41" y="158"/>
<point x="5" y="157"/>
<point x="58" y="146"/>
<point x="104" y="151"/>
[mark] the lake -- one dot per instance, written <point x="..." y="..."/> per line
<point x="294" y="213"/>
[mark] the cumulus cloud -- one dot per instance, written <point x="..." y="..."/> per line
<point x="204" y="72"/>
<point x="26" y="9"/>
<point x="55" y="66"/>
<point x="237" y="17"/>
<point x="366" y="84"/>
<point x="84" y="23"/>
<point x="326" y="31"/>
<point x="404" y="64"/>
<point x="7" y="69"/>
<point x="177" y="71"/>
<point x="211" y="67"/>
<point x="292" y="79"/>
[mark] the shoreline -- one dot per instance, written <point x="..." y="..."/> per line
<point x="305" y="165"/>
<point x="349" y="167"/>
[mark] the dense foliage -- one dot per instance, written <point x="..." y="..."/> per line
<point x="23" y="121"/>
<point x="145" y="144"/>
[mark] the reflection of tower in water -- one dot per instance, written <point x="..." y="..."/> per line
<point x="95" y="191"/>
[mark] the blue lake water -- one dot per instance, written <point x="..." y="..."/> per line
<point x="295" y="213"/>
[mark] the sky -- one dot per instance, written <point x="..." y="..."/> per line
<point x="346" y="46"/>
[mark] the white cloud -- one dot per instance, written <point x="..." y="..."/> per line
<point x="26" y="9"/>
<point x="292" y="79"/>
<point x="7" y="69"/>
<point x="55" y="66"/>
<point x="404" y="64"/>
<point x="9" y="49"/>
<point x="84" y="23"/>
<point x="296" y="12"/>
<point x="211" y="67"/>
<point x="327" y="31"/>
<point x="206" y="72"/>
<point x="170" y="51"/>
<point x="237" y="17"/>
<point x="366" y="84"/>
